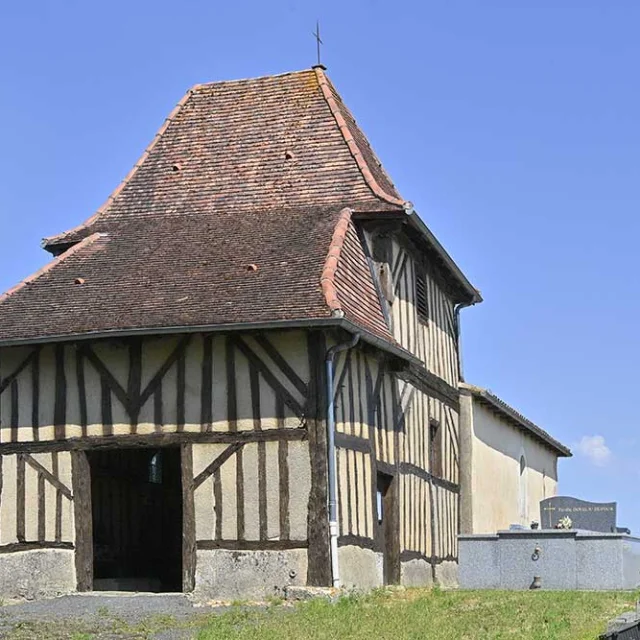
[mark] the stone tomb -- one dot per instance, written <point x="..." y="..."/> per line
<point x="588" y="516"/>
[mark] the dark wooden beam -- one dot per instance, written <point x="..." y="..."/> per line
<point x="35" y="395"/>
<point x="283" y="365"/>
<point x="432" y="385"/>
<point x="134" y="381"/>
<point x="47" y="475"/>
<point x="154" y="440"/>
<point x="20" y="497"/>
<point x="16" y="547"/>
<point x="81" y="480"/>
<point x="319" y="559"/>
<point x="271" y="380"/>
<point x="354" y="443"/>
<point x="216" y="464"/>
<point x="107" y="377"/>
<point x="412" y="469"/>
<point x="252" y="545"/>
<point x="4" y="384"/>
<point x="188" y="520"/>
<point x="206" y="399"/>
<point x="156" y="381"/>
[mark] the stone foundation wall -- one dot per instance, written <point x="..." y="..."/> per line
<point x="447" y="574"/>
<point x="416" y="573"/>
<point x="360" y="568"/>
<point x="41" y="573"/>
<point x="255" y="575"/>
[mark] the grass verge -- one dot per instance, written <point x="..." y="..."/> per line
<point x="426" y="615"/>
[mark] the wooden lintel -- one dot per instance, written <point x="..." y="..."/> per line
<point x="354" y="443"/>
<point x="154" y="440"/>
<point x="411" y="469"/>
<point x="28" y="545"/>
<point x="252" y="545"/>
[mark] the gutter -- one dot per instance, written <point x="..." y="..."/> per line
<point x="311" y="323"/>
<point x="331" y="454"/>
<point x="456" y="320"/>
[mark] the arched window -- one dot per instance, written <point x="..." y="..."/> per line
<point x="522" y="489"/>
<point x="155" y="469"/>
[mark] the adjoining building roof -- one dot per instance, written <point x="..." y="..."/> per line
<point x="230" y="216"/>
<point x="516" y="418"/>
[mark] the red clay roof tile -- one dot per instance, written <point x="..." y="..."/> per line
<point x="241" y="174"/>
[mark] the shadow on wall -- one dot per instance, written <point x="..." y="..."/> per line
<point x="500" y="435"/>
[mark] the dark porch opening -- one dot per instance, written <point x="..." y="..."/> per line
<point x="137" y="519"/>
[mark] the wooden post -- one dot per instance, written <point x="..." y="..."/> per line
<point x="81" y="479"/>
<point x="188" y="520"/>
<point x="319" y="559"/>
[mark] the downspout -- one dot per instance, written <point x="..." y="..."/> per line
<point x="331" y="452"/>
<point x="456" y="316"/>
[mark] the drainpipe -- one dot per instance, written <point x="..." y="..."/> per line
<point x="331" y="452"/>
<point x="456" y="316"/>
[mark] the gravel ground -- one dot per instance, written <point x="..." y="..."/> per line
<point x="104" y="617"/>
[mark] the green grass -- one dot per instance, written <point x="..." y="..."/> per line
<point x="414" y="614"/>
<point x="425" y="615"/>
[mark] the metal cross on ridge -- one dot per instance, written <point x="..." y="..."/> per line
<point x="318" y="40"/>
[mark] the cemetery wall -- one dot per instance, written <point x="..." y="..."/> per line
<point x="561" y="559"/>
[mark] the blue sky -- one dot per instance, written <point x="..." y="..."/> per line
<point x="512" y="126"/>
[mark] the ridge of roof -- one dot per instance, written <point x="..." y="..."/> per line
<point x="364" y="168"/>
<point x="59" y="238"/>
<point x="50" y="265"/>
<point x="327" y="278"/>
<point x="513" y="414"/>
<point x="268" y="76"/>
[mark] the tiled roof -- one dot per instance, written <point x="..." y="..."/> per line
<point x="516" y="418"/>
<point x="249" y="145"/>
<point x="228" y="217"/>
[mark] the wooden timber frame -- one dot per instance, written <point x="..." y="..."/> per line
<point x="122" y="395"/>
<point x="243" y="408"/>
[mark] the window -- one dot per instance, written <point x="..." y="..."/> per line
<point x="381" y="248"/>
<point x="155" y="469"/>
<point x="381" y="253"/>
<point x="422" y="305"/>
<point x="435" y="449"/>
<point x="522" y="489"/>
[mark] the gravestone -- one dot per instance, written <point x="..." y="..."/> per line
<point x="591" y="516"/>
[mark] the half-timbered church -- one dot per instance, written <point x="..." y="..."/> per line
<point x="241" y="373"/>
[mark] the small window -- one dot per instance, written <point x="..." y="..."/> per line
<point x="435" y="449"/>
<point x="381" y="248"/>
<point x="522" y="489"/>
<point x="155" y="469"/>
<point x="422" y="305"/>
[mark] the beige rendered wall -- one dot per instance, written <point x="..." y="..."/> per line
<point x="496" y="486"/>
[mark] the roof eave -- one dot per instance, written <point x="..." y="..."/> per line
<point x="416" y="222"/>
<point x="339" y="323"/>
<point x="510" y="413"/>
